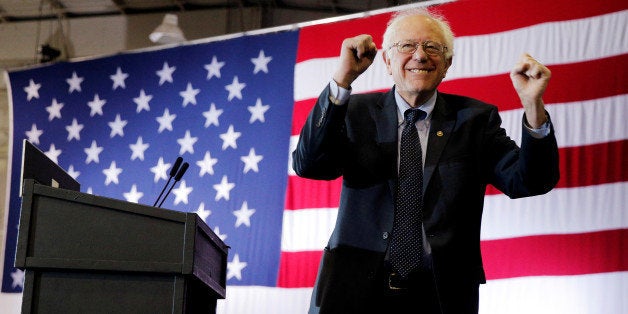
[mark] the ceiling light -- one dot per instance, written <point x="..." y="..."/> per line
<point x="168" y="32"/>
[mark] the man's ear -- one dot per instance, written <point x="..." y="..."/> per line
<point x="387" y="62"/>
<point x="449" y="61"/>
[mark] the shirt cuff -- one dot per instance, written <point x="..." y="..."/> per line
<point x="338" y="95"/>
<point x="541" y="132"/>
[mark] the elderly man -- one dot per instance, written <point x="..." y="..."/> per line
<point x="415" y="164"/>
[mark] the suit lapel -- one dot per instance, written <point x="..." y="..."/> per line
<point x="387" y="124"/>
<point x="386" y="118"/>
<point x="441" y="126"/>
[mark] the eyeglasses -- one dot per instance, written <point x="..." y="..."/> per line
<point x="430" y="47"/>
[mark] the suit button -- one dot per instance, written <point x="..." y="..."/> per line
<point x="385" y="235"/>
<point x="370" y="275"/>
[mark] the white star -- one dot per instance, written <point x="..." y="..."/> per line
<point x="189" y="95"/>
<point x="117" y="126"/>
<point x="32" y="90"/>
<point x="213" y="69"/>
<point x="235" y="89"/>
<point x="74" y="130"/>
<point x="165" y="121"/>
<point x="234" y="268"/>
<point x="187" y="143"/>
<point x="18" y="278"/>
<point x="243" y="215"/>
<point x="92" y="153"/>
<point x="54" y="110"/>
<point x="211" y="115"/>
<point x="96" y="105"/>
<point x="142" y="101"/>
<point x="138" y="149"/>
<point x="222" y="237"/>
<point x="207" y="164"/>
<point x="73" y="173"/>
<point x="74" y="82"/>
<point x="134" y="195"/>
<point x="118" y="79"/>
<point x="53" y="153"/>
<point x="182" y="192"/>
<point x="251" y="161"/>
<point x="202" y="212"/>
<point x="229" y="138"/>
<point x="34" y="134"/>
<point x="257" y="111"/>
<point x="112" y="173"/>
<point x="261" y="62"/>
<point x="223" y="189"/>
<point x="160" y="170"/>
<point x="165" y="74"/>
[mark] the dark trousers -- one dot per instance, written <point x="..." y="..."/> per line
<point x="356" y="281"/>
<point x="387" y="293"/>
<point x="416" y="294"/>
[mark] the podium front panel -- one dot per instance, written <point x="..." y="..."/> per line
<point x="69" y="229"/>
<point x="110" y="292"/>
<point x="69" y="232"/>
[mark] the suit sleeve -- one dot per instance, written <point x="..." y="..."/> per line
<point x="542" y="160"/>
<point x="531" y="169"/>
<point x="319" y="152"/>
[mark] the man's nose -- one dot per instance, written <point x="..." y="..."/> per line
<point x="419" y="55"/>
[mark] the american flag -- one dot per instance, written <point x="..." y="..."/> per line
<point x="233" y="109"/>
<point x="117" y="125"/>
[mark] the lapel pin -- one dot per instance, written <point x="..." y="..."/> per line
<point x="439" y="133"/>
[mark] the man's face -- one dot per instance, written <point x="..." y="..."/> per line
<point x="416" y="75"/>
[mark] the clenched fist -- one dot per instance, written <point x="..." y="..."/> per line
<point x="356" y="55"/>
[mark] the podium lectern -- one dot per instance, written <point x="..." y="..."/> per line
<point x="88" y="254"/>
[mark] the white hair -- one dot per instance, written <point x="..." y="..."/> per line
<point x="422" y="11"/>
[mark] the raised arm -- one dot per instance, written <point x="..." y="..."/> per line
<point x="530" y="79"/>
<point x="356" y="55"/>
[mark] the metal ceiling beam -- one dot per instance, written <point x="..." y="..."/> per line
<point x="58" y="7"/>
<point x="267" y="6"/>
<point x="2" y="14"/>
<point x="120" y="5"/>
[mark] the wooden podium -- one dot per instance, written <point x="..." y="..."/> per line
<point x="87" y="254"/>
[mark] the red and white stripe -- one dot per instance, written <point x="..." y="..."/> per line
<point x="563" y="252"/>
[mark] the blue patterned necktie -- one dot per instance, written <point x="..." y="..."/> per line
<point x="406" y="247"/>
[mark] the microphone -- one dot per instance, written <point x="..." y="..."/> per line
<point x="178" y="177"/>
<point x="173" y="171"/>
<point x="181" y="172"/>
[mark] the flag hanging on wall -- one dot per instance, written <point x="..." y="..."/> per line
<point x="118" y="124"/>
<point x="233" y="109"/>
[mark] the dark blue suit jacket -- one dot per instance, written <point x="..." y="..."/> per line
<point x="467" y="149"/>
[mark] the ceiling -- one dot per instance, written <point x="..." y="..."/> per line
<point x="33" y="10"/>
<point x="272" y="12"/>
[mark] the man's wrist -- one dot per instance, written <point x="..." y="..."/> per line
<point x="542" y="131"/>
<point x="341" y="82"/>
<point x="338" y="95"/>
